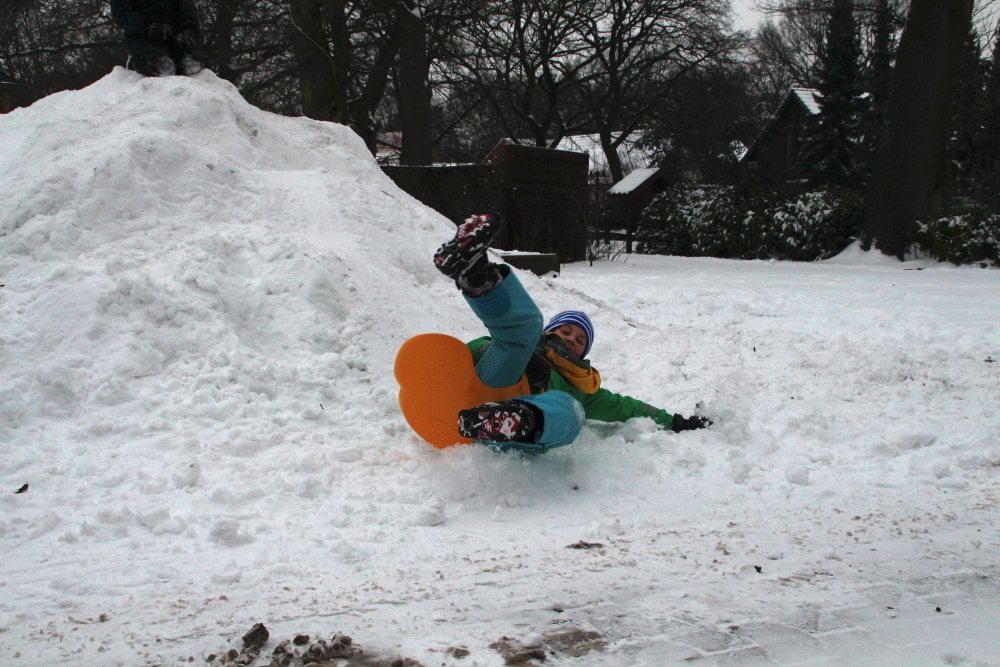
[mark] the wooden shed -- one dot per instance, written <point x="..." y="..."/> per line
<point x="456" y="191"/>
<point x="544" y="200"/>
<point x="628" y="197"/>
<point x="777" y="147"/>
<point x="7" y="84"/>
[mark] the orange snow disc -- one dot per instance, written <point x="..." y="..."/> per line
<point x="437" y="379"/>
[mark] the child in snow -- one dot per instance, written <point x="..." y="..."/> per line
<point x="565" y="389"/>
<point x="161" y="36"/>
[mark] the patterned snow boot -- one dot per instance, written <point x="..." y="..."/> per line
<point x="464" y="259"/>
<point x="505" y="421"/>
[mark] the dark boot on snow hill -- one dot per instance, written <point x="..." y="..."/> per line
<point x="505" y="421"/>
<point x="464" y="259"/>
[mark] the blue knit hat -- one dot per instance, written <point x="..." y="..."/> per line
<point x="578" y="318"/>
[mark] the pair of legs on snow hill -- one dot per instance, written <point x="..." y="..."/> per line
<point x="565" y="389"/>
<point x="161" y="36"/>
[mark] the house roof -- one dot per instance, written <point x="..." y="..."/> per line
<point x="497" y="154"/>
<point x="630" y="155"/>
<point x="8" y="80"/>
<point x="632" y="181"/>
<point x="806" y="98"/>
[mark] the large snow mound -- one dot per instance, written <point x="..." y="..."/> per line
<point x="167" y="245"/>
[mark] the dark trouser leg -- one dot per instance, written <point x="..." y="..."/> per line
<point x="149" y="58"/>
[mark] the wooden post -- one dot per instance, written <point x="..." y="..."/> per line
<point x="5" y="104"/>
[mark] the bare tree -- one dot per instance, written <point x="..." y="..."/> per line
<point x="782" y="55"/>
<point x="634" y="54"/>
<point x="248" y="44"/>
<point x="51" y="46"/>
<point x="375" y="44"/>
<point x="518" y="59"/>
<point x="784" y="50"/>
<point x="321" y="98"/>
<point x="413" y="92"/>
<point x="913" y="133"/>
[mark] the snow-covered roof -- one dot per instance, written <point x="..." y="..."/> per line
<point x="808" y="98"/>
<point x="632" y="181"/>
<point x="631" y="156"/>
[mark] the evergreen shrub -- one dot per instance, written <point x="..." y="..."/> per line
<point x="749" y="222"/>
<point x="969" y="238"/>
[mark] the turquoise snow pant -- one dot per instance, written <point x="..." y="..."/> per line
<point x="515" y="325"/>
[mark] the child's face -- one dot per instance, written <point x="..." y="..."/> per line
<point x="574" y="336"/>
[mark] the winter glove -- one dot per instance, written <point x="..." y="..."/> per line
<point x="159" y="32"/>
<point x="538" y="373"/>
<point x="689" y="423"/>
<point x="186" y="40"/>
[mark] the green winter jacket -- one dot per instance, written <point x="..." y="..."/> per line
<point x="602" y="406"/>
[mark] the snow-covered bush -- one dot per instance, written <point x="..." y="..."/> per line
<point x="962" y="239"/>
<point x="691" y="219"/>
<point x="726" y="221"/>
<point x="813" y="225"/>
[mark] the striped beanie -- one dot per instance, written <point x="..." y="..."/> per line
<point x="578" y="318"/>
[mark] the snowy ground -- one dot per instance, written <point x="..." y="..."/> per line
<point x="200" y="310"/>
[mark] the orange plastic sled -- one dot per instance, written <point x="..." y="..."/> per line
<point x="436" y="380"/>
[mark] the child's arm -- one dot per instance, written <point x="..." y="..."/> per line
<point x="607" y="406"/>
<point x="477" y="348"/>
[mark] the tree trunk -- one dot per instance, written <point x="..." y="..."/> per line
<point x="335" y="14"/>
<point x="611" y="155"/>
<point x="912" y="137"/>
<point x="220" y="49"/>
<point x="414" y="94"/>
<point x="317" y="75"/>
<point x="363" y="109"/>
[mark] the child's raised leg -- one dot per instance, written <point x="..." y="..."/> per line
<point x="514" y="322"/>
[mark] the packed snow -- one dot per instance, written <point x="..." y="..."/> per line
<point x="200" y="309"/>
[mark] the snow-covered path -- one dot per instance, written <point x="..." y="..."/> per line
<point x="195" y="380"/>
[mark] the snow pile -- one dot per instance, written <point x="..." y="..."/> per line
<point x="855" y="255"/>
<point x="172" y="255"/>
<point x="201" y="303"/>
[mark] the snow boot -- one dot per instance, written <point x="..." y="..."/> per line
<point x="505" y="421"/>
<point x="150" y="66"/>
<point x="464" y="259"/>
<point x="191" y="65"/>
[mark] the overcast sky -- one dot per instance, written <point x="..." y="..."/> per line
<point x="746" y="17"/>
<point x="987" y="14"/>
